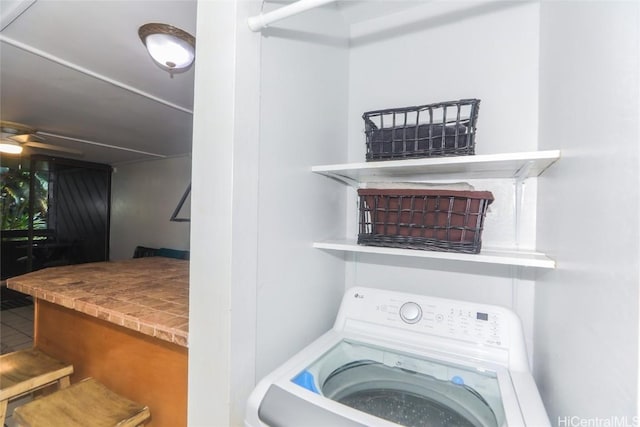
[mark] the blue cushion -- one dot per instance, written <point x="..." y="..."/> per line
<point x="172" y="253"/>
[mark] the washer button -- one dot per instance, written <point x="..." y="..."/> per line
<point x="410" y="312"/>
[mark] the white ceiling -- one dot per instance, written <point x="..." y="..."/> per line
<point x="79" y="69"/>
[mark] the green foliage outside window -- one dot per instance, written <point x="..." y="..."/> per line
<point x="14" y="199"/>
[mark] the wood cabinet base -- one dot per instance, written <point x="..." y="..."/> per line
<point x="142" y="368"/>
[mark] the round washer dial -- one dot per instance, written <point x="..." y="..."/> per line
<point x="410" y="312"/>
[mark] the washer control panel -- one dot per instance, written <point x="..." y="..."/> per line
<point x="478" y="323"/>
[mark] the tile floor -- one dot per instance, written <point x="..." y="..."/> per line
<point x="16" y="333"/>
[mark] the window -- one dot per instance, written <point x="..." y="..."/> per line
<point x="53" y="211"/>
<point x="15" y="187"/>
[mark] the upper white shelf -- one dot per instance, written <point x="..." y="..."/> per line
<point x="487" y="255"/>
<point x="510" y="165"/>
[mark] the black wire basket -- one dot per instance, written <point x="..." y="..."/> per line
<point x="442" y="129"/>
<point x="436" y="220"/>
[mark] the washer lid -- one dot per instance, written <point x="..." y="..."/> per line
<point x="407" y="398"/>
<point x="404" y="388"/>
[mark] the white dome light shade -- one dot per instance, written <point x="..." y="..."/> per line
<point x="10" y="147"/>
<point x="172" y="48"/>
<point x="170" y="51"/>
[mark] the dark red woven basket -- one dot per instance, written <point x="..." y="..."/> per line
<point x="438" y="220"/>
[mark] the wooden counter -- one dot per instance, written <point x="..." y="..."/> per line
<point x="124" y="323"/>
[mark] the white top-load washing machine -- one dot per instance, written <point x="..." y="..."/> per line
<point x="402" y="359"/>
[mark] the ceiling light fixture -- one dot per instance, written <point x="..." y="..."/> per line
<point x="171" y="48"/>
<point x="8" y="146"/>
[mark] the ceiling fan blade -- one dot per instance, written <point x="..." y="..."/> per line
<point x="26" y="137"/>
<point x="51" y="147"/>
<point x="14" y="128"/>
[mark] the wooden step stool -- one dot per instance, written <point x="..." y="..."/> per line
<point x="87" y="403"/>
<point x="25" y="371"/>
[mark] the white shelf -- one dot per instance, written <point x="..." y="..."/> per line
<point x="487" y="255"/>
<point x="488" y="166"/>
<point x="510" y="165"/>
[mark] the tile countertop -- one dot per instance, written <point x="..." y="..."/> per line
<point x="148" y="295"/>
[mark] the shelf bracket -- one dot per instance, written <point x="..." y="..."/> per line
<point x="342" y="179"/>
<point x="522" y="173"/>
<point x="258" y="22"/>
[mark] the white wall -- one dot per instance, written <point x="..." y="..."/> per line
<point x="258" y="290"/>
<point x="442" y="51"/>
<point x="143" y="197"/>
<point x="302" y="123"/>
<point x="587" y="309"/>
<point x="222" y="293"/>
